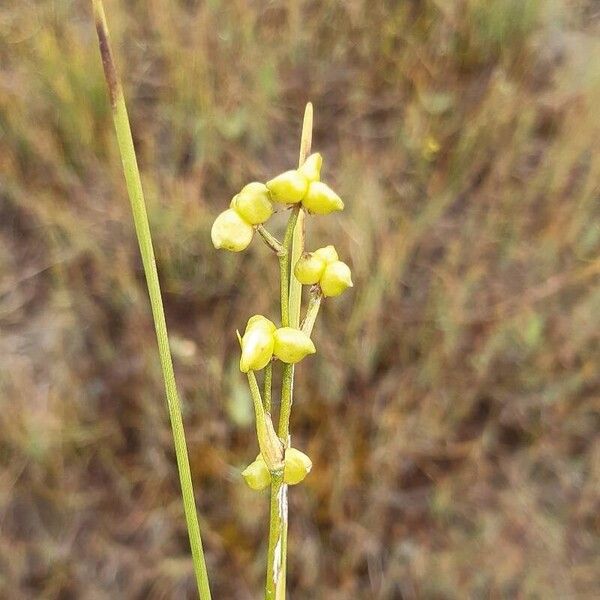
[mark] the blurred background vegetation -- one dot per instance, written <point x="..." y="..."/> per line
<point x="452" y="410"/>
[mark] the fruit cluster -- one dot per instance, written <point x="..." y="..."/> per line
<point x="262" y="341"/>
<point x="233" y="229"/>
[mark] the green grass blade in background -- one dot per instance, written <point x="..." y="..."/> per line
<point x="142" y="228"/>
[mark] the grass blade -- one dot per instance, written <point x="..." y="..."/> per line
<point x="142" y="228"/>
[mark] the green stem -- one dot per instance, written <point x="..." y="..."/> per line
<point x="284" y="266"/>
<point x="269" y="444"/>
<point x="312" y="311"/>
<point x="295" y="295"/>
<point x="275" y="582"/>
<point x="270" y="240"/>
<point x="298" y="239"/>
<point x="142" y="228"/>
<point x="276" y="556"/>
<point x="291" y="291"/>
<point x="268" y="387"/>
<point x="287" y="394"/>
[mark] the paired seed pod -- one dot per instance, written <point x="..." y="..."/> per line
<point x="320" y="199"/>
<point x="262" y="340"/>
<point x="257" y="344"/>
<point x="323" y="267"/>
<point x="304" y="185"/>
<point x="288" y="188"/>
<point x="327" y="253"/>
<point x="256" y="474"/>
<point x="292" y="186"/>
<point x="309" y="268"/>
<point x="233" y="228"/>
<point x="253" y="203"/>
<point x="297" y="466"/>
<point x="231" y="232"/>
<point x="336" y="278"/>
<point x="292" y="345"/>
<point x="311" y="169"/>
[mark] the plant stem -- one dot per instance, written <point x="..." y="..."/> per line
<point x="298" y="239"/>
<point x="287" y="392"/>
<point x="291" y="292"/>
<point x="312" y="311"/>
<point x="142" y="228"/>
<point x="270" y="445"/>
<point x="268" y="386"/>
<point x="284" y="266"/>
<point x="275" y="583"/>
<point x="295" y="296"/>
<point x="270" y="240"/>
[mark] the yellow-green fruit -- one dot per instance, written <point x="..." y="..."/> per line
<point x="336" y="278"/>
<point x="257" y="348"/>
<point x="311" y="168"/>
<point x="231" y="232"/>
<point x="260" y="321"/>
<point x="292" y="345"/>
<point x="327" y="253"/>
<point x="309" y="268"/>
<point x="297" y="466"/>
<point x="257" y="475"/>
<point x="320" y="199"/>
<point x="253" y="203"/>
<point x="288" y="188"/>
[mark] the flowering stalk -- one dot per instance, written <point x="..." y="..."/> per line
<point x="142" y="228"/>
<point x="279" y="490"/>
<point x="279" y="464"/>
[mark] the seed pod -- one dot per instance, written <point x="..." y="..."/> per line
<point x="257" y="475"/>
<point x="336" y="278"/>
<point x="309" y="268"/>
<point x="327" y="253"/>
<point x="260" y="321"/>
<point x="292" y="345"/>
<point x="253" y="203"/>
<point x="257" y="348"/>
<point x="231" y="232"/>
<point x="311" y="168"/>
<point x="288" y="188"/>
<point x="297" y="466"/>
<point x="320" y="199"/>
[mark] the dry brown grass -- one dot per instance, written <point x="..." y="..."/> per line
<point x="452" y="415"/>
